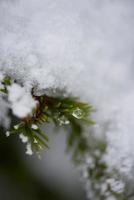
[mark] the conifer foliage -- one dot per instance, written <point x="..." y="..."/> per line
<point x="74" y="116"/>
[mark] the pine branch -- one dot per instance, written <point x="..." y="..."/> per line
<point x="59" y="110"/>
<point x="73" y="115"/>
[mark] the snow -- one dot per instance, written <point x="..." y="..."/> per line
<point x="29" y="149"/>
<point x="7" y="133"/>
<point x="116" y="186"/>
<point x="34" y="127"/>
<point x="22" y="102"/>
<point x="85" y="47"/>
<point x="23" y="138"/>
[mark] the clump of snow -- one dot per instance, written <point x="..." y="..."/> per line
<point x="116" y="185"/>
<point x="85" y="47"/>
<point x="34" y="127"/>
<point x="29" y="149"/>
<point x="23" y="138"/>
<point x="22" y="102"/>
<point x="16" y="127"/>
<point x="7" y="133"/>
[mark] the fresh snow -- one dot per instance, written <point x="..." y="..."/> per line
<point x="22" y="102"/>
<point x="84" y="47"/>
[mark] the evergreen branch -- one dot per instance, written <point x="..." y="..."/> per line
<point x="73" y="115"/>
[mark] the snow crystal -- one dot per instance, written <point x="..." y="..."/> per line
<point x="78" y="113"/>
<point x="63" y="120"/>
<point x="85" y="47"/>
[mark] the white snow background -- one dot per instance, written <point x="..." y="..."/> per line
<point x="85" y="46"/>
